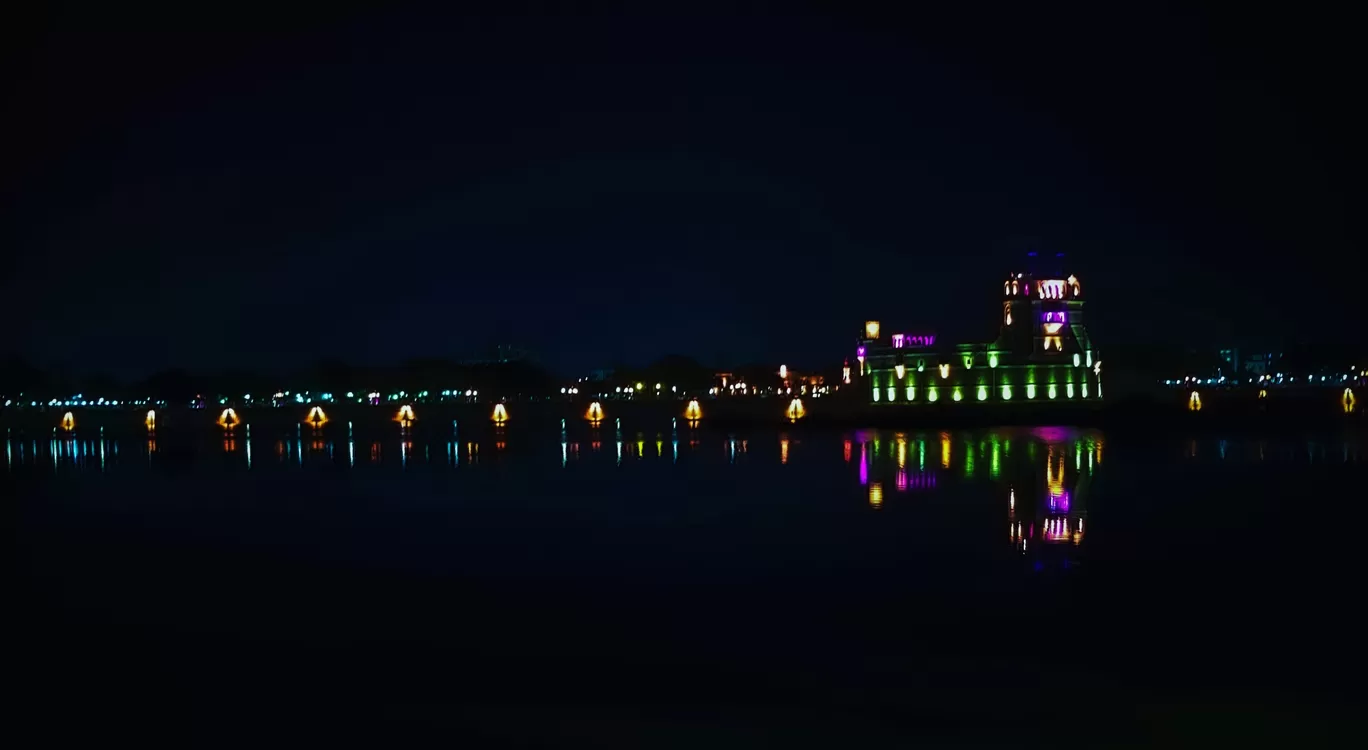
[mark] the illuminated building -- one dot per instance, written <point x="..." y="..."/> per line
<point x="316" y="417"/>
<point x="68" y="422"/>
<point x="595" y="413"/>
<point x="693" y="412"/>
<point x="1042" y="352"/>
<point x="796" y="410"/>
<point x="500" y="415"/>
<point x="151" y="420"/>
<point x="405" y="416"/>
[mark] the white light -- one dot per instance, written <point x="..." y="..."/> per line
<point x="562" y="390"/>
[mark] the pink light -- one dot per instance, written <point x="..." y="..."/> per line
<point x="897" y="341"/>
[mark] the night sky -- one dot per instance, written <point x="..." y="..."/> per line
<point x="606" y="188"/>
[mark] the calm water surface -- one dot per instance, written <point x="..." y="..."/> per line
<point x="654" y="587"/>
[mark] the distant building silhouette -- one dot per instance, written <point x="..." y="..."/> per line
<point x="501" y="354"/>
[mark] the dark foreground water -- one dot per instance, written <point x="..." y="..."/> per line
<point x="665" y="589"/>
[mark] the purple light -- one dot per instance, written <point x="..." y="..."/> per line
<point x="1056" y="316"/>
<point x="897" y="341"/>
<point x="864" y="465"/>
<point x="860" y="352"/>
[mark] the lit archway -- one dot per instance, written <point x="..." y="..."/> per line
<point x="228" y="419"/>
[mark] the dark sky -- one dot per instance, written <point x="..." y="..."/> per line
<point x="264" y="192"/>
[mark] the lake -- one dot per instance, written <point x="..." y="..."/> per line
<point x="692" y="587"/>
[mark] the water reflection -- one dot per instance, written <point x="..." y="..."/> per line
<point x="876" y="495"/>
<point x="1040" y="479"/>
